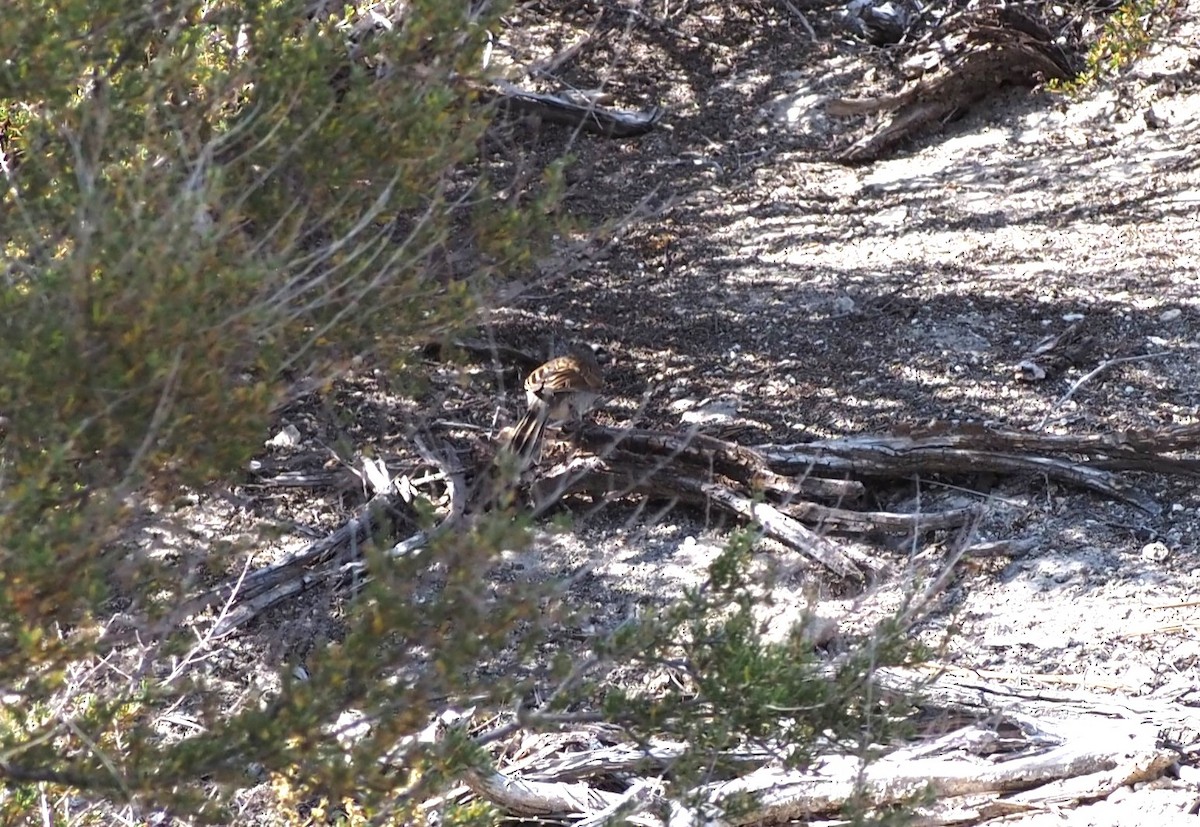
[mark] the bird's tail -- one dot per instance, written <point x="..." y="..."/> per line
<point x="526" y="442"/>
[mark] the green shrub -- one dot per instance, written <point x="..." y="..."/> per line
<point x="1125" y="36"/>
<point x="204" y="203"/>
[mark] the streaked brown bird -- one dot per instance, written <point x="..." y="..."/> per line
<point x="559" y="391"/>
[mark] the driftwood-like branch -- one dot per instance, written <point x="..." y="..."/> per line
<point x="1015" y="752"/>
<point x="560" y="109"/>
<point x="1082" y="766"/>
<point x="568" y="108"/>
<point x="976" y="54"/>
<point x="795" y="470"/>
<point x="535" y="798"/>
<point x="248" y="595"/>
<point x="1150" y="443"/>
<point x="302" y="570"/>
<point x="701" y="453"/>
<point x="775" y="523"/>
<point x="774" y="487"/>
<point x="269" y="586"/>
<point x="621" y="475"/>
<point x="975" y="449"/>
<point x="885" y="460"/>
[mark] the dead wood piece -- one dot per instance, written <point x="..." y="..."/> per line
<point x="899" y="127"/>
<point x="806" y="485"/>
<point x="969" y="809"/>
<point x="539" y="798"/>
<point x="622" y="474"/>
<point x="845" y="107"/>
<point x="1064" y="770"/>
<point x="273" y="584"/>
<point x="255" y="593"/>
<point x="979" y="53"/>
<point x="601" y="479"/>
<point x="582" y="475"/>
<point x="891" y="456"/>
<point x="739" y="462"/>
<point x="1182" y="467"/>
<point x="780" y="526"/>
<point x="590" y="117"/>
<point x="1001" y="548"/>
<point x="868" y="522"/>
<point x="804" y="24"/>
<point x="764" y="485"/>
<point x="246" y="596"/>
<point x="657" y="755"/>
<point x="669" y="465"/>
<point x="692" y="448"/>
<point x="551" y="65"/>
<point x="608" y="478"/>
<point x="1032" y="707"/>
<point x="341" y="479"/>
<point x="612" y="123"/>
<point x="1147" y="443"/>
<point x="497" y="352"/>
<point x="1090" y="765"/>
<point x="246" y="610"/>
<point x="1005" y="766"/>
<point x="1092" y="479"/>
<point x="1019" y="751"/>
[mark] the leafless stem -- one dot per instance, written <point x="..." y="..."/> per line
<point x="799" y="15"/>
<point x="1103" y="366"/>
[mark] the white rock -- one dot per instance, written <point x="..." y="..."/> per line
<point x="289" y="437"/>
<point x="712" y="412"/>
<point x="893" y="217"/>
<point x="1156" y="551"/>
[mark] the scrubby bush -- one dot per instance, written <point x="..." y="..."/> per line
<point x="205" y="203"/>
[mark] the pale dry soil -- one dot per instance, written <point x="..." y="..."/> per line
<point x="773" y="289"/>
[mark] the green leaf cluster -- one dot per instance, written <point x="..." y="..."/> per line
<point x="1125" y="36"/>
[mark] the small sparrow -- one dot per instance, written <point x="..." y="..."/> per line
<point x="559" y="391"/>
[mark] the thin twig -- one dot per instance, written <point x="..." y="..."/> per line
<point x="803" y="20"/>
<point x="205" y="641"/>
<point x="1103" y="366"/>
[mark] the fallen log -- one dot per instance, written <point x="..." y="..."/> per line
<point x="976" y="53"/>
<point x="1014" y="751"/>
<point x="776" y="488"/>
